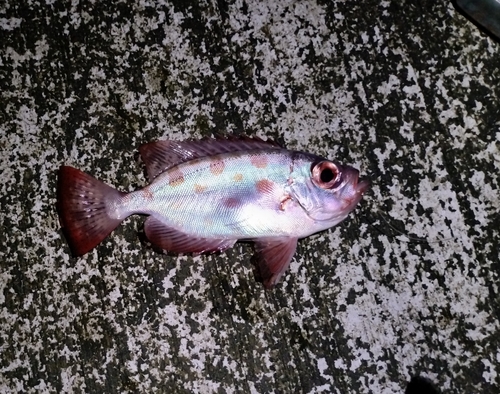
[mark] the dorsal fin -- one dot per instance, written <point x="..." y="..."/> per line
<point x="162" y="155"/>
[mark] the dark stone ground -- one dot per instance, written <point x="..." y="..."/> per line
<point x="406" y="91"/>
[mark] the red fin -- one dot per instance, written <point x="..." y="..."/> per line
<point x="81" y="203"/>
<point x="273" y="258"/>
<point x="162" y="155"/>
<point x="173" y="240"/>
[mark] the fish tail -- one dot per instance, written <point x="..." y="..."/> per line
<point x="82" y="203"/>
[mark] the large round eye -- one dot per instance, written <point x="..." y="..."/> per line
<point x="326" y="175"/>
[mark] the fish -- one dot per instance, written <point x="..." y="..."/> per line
<point x="205" y="195"/>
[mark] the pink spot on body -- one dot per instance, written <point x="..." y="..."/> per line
<point x="232" y="202"/>
<point x="147" y="194"/>
<point x="175" y="178"/>
<point x="264" y="186"/>
<point x="217" y="165"/>
<point x="198" y="189"/>
<point x="259" y="161"/>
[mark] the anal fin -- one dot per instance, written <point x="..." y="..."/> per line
<point x="273" y="258"/>
<point x="172" y="240"/>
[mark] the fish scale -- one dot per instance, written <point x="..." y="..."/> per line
<point x="231" y="208"/>
<point x="206" y="195"/>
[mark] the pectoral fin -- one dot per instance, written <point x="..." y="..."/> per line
<point x="273" y="258"/>
<point x="173" y="240"/>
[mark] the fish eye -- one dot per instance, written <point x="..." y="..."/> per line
<point x="326" y="175"/>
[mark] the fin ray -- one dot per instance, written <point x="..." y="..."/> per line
<point x="81" y="203"/>
<point x="273" y="258"/>
<point x="161" y="155"/>
<point x="173" y="240"/>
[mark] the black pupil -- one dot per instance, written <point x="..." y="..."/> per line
<point x="327" y="175"/>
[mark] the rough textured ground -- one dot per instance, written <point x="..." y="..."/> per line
<point x="408" y="285"/>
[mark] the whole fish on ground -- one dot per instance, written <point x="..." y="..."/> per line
<point x="205" y="195"/>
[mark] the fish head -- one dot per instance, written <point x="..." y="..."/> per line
<point x="327" y="191"/>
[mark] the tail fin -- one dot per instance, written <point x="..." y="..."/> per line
<point x="81" y="203"/>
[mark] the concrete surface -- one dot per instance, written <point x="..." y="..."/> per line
<point x="407" y="286"/>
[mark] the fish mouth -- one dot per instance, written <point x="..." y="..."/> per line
<point x="362" y="186"/>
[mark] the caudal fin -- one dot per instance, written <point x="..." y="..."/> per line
<point x="81" y="203"/>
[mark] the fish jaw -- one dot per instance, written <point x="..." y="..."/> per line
<point x="352" y="193"/>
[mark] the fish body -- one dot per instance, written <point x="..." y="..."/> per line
<point x="205" y="195"/>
